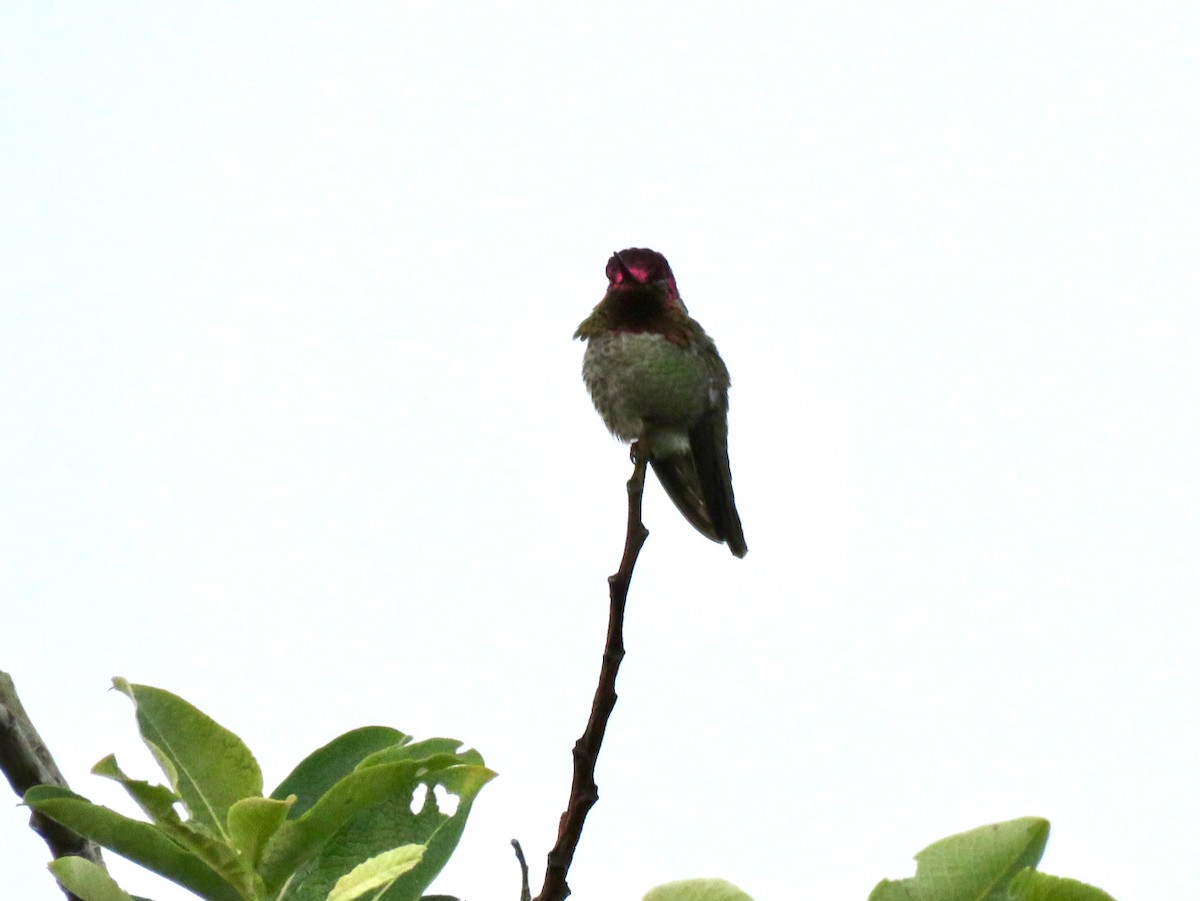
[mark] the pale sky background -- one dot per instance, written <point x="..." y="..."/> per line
<point x="291" y="421"/>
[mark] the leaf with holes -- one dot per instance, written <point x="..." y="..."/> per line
<point x="370" y="812"/>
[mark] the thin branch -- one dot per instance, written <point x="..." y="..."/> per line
<point x="26" y="762"/>
<point x="524" y="870"/>
<point x="587" y="749"/>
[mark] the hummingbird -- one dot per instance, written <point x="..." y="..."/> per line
<point x="656" y="379"/>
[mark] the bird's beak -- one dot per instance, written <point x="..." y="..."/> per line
<point x="624" y="269"/>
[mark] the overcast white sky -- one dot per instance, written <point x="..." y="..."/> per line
<point x="291" y="422"/>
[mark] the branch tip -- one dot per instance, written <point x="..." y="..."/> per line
<point x="584" y="792"/>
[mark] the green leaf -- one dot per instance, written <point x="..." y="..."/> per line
<point x="143" y="843"/>
<point x="441" y="748"/>
<point x="377" y="874"/>
<point x="89" y="882"/>
<point x="318" y="772"/>
<point x="157" y="801"/>
<point x="207" y="765"/>
<point x="252" y="822"/>
<point x="364" y="814"/>
<point x="1030" y="885"/>
<point x="973" y="866"/>
<point x="159" y="804"/>
<point x="697" y="890"/>
<point x="464" y="782"/>
<point x="300" y="839"/>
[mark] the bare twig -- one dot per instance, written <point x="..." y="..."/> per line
<point x="524" y="870"/>
<point x="26" y="762"/>
<point x="587" y="749"/>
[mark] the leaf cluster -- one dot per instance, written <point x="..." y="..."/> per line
<point x="341" y="827"/>
<point x="992" y="863"/>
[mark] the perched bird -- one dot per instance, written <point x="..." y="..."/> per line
<point x="656" y="378"/>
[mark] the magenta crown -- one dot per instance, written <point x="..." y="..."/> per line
<point x="640" y="265"/>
